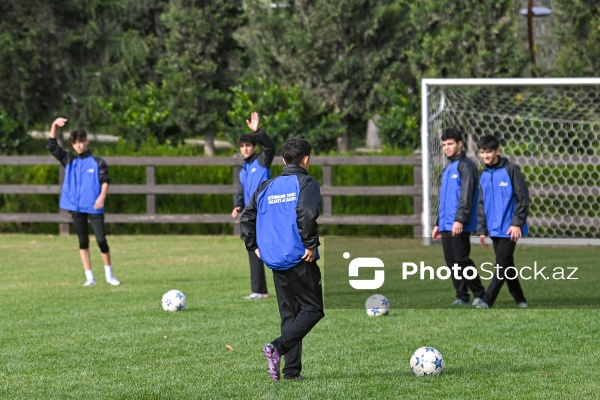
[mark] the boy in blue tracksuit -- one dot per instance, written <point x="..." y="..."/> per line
<point x="255" y="170"/>
<point x="279" y="224"/>
<point x="502" y="214"/>
<point x="83" y="194"/>
<point x="457" y="216"/>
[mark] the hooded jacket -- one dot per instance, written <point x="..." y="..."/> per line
<point x="458" y="194"/>
<point x="255" y="170"/>
<point x="84" y="176"/>
<point x="503" y="200"/>
<point x="281" y="218"/>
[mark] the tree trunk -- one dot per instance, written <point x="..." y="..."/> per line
<point x="342" y="142"/>
<point x="209" y="141"/>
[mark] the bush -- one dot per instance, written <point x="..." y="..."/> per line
<point x="12" y="134"/>
<point x="284" y="113"/>
<point x="398" y="121"/>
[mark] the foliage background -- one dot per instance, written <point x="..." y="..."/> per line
<point x="175" y="69"/>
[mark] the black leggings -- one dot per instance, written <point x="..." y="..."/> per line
<point x="80" y="220"/>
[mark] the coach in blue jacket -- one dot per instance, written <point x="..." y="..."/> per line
<point x="279" y="224"/>
<point x="457" y="216"/>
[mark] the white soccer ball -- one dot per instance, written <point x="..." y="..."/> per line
<point x="426" y="361"/>
<point x="377" y="305"/>
<point x="173" y="300"/>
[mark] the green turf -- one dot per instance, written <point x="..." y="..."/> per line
<point x="59" y="340"/>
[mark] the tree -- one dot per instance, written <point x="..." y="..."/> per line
<point x="284" y="113"/>
<point x="199" y="64"/>
<point x="465" y="39"/>
<point x="60" y="57"/>
<point x="577" y="29"/>
<point x="141" y="114"/>
<point x="335" y="50"/>
<point x="398" y="120"/>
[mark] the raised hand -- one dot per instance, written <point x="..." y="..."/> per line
<point x="253" y="123"/>
<point x="60" y="122"/>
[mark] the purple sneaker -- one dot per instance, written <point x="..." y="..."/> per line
<point x="273" y="358"/>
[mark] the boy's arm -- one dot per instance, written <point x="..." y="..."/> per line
<point x="307" y="212"/>
<point x="468" y="183"/>
<point x="58" y="152"/>
<point x="238" y="200"/>
<point x="482" y="230"/>
<point x="99" y="204"/>
<point x="266" y="156"/>
<point x="248" y="224"/>
<point x="103" y="175"/>
<point x="521" y="193"/>
<point x="481" y="222"/>
<point x="104" y="179"/>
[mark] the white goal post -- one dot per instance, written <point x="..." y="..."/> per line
<point x="550" y="127"/>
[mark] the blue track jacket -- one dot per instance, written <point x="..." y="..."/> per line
<point x="84" y="176"/>
<point x="281" y="218"/>
<point x="504" y="200"/>
<point x="255" y="170"/>
<point x="458" y="194"/>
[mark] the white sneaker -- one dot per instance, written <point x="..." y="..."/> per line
<point x="256" y="296"/>
<point x="477" y="301"/>
<point x="89" y="283"/>
<point x="113" y="281"/>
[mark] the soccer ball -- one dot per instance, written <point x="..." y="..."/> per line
<point x="426" y="361"/>
<point x="377" y="305"/>
<point x="173" y="300"/>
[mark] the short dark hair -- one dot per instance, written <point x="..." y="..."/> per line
<point x="452" y="133"/>
<point x="251" y="139"/>
<point x="294" y="150"/>
<point x="78" y="135"/>
<point x="488" y="142"/>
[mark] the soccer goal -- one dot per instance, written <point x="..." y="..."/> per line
<point x="549" y="127"/>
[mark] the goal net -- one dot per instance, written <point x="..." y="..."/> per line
<point x="549" y="127"/>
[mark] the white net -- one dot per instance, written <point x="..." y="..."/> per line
<point x="552" y="131"/>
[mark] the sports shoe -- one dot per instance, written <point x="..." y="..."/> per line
<point x="292" y="378"/>
<point x="273" y="358"/>
<point x="459" y="302"/>
<point x="523" y="304"/>
<point x="255" y="296"/>
<point x="113" y="281"/>
<point x="482" y="304"/>
<point x="477" y="301"/>
<point x="90" y="282"/>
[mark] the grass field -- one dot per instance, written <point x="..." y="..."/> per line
<point x="59" y="340"/>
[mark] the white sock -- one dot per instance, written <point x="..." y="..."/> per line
<point x="89" y="275"/>
<point x="108" y="272"/>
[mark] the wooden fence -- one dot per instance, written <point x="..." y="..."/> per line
<point x="150" y="189"/>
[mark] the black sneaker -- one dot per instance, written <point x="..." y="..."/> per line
<point x="291" y="378"/>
